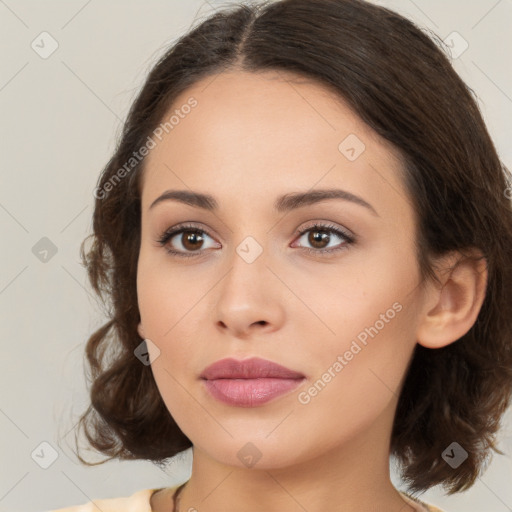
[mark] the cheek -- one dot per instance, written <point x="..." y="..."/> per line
<point x="370" y="315"/>
<point x="370" y="350"/>
<point x="358" y="372"/>
<point x="165" y="295"/>
<point x="169" y="304"/>
<point x="163" y="306"/>
<point x="151" y="298"/>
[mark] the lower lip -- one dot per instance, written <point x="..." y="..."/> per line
<point x="249" y="392"/>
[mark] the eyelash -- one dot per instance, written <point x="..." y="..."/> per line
<point x="329" y="228"/>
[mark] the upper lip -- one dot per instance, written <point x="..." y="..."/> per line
<point x="252" y="368"/>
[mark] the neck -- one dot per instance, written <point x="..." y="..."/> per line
<point x="353" y="475"/>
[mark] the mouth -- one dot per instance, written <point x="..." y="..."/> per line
<point x="250" y="382"/>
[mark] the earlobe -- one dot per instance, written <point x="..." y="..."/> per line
<point x="451" y="308"/>
<point x="140" y="330"/>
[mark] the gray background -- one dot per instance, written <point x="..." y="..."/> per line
<point x="60" y="116"/>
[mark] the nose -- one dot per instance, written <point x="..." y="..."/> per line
<point x="249" y="298"/>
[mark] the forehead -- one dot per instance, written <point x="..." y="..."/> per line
<point x="256" y="132"/>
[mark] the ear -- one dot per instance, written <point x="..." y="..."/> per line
<point x="451" y="307"/>
<point x="140" y="330"/>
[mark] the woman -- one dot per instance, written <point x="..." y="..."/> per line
<point x="304" y="236"/>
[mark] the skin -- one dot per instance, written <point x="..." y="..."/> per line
<point x="252" y="138"/>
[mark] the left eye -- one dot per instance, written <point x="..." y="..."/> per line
<point x="319" y="236"/>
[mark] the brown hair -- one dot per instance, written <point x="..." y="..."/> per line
<point x="399" y="81"/>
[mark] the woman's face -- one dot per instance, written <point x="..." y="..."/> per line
<point x="252" y="286"/>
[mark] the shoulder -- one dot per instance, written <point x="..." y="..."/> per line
<point x="419" y="505"/>
<point x="137" y="502"/>
<point x="432" y="508"/>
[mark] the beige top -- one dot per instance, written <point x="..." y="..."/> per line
<point x="140" y="502"/>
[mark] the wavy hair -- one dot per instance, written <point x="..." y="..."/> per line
<point x="399" y="80"/>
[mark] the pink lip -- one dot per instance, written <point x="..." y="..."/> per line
<point x="250" y="382"/>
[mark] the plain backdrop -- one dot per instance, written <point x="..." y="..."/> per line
<point x="60" y="116"/>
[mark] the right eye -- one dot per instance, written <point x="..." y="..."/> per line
<point x="190" y="243"/>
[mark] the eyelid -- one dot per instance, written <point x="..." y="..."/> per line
<point x="326" y="225"/>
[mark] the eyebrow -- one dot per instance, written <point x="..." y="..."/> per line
<point x="283" y="203"/>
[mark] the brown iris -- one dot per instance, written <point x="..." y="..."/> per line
<point x="190" y="240"/>
<point x="318" y="236"/>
